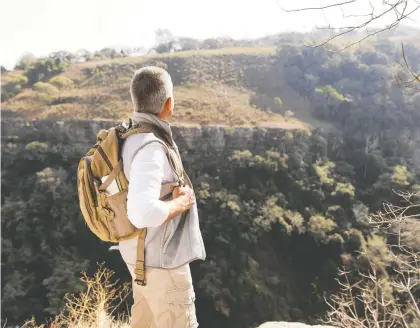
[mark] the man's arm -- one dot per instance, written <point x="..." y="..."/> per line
<point x="144" y="209"/>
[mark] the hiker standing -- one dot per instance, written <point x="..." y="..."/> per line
<point x="133" y="190"/>
<point x="173" y="236"/>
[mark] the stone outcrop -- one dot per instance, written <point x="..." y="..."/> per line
<point x="290" y="325"/>
<point x="191" y="140"/>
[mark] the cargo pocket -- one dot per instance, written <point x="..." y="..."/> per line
<point x="182" y="308"/>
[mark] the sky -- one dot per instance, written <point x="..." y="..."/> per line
<point x="44" y="26"/>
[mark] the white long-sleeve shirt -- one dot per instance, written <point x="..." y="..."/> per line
<point x="149" y="169"/>
<point x="170" y="244"/>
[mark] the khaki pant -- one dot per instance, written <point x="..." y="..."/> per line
<point x="167" y="301"/>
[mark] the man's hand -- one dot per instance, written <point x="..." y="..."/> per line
<point x="185" y="195"/>
<point x="182" y="200"/>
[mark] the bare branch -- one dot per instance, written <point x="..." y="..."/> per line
<point x="349" y="29"/>
<point x="415" y="75"/>
<point x="386" y="301"/>
<point x="400" y="8"/>
<point x="317" y="8"/>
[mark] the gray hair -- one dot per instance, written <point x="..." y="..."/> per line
<point x="150" y="87"/>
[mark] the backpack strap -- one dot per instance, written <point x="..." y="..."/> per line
<point x="180" y="178"/>
<point x="129" y="132"/>
<point x="114" y="173"/>
<point x="140" y="270"/>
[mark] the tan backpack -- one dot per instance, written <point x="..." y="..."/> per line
<point x="106" y="213"/>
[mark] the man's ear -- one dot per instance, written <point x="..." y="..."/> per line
<point x="166" y="110"/>
<point x="168" y="104"/>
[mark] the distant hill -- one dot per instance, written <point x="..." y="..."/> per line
<point x="246" y="82"/>
<point x="210" y="88"/>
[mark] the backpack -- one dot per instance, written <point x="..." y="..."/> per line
<point x="101" y="170"/>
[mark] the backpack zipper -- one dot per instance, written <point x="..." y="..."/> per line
<point x="90" y="180"/>
<point x="87" y="206"/>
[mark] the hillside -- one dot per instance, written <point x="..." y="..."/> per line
<point x="211" y="87"/>
<point x="272" y="81"/>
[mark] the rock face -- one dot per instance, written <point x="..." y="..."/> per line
<point x="289" y="325"/>
<point x="191" y="140"/>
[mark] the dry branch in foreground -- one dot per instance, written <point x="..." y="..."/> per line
<point x="93" y="307"/>
<point x="378" y="299"/>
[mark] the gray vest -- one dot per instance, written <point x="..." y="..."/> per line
<point x="173" y="243"/>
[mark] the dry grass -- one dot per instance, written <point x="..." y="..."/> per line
<point x="218" y="104"/>
<point x="195" y="104"/>
<point x="93" y="307"/>
<point x="204" y="97"/>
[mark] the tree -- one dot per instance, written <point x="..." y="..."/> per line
<point x="83" y="55"/>
<point x="211" y="44"/>
<point x="185" y="44"/>
<point x="62" y="56"/>
<point x="165" y="41"/>
<point x="109" y="53"/>
<point x="163" y="36"/>
<point x="44" y="69"/>
<point x="62" y="83"/>
<point x="14" y="85"/>
<point x="3" y="69"/>
<point x="163" y="48"/>
<point x="25" y="61"/>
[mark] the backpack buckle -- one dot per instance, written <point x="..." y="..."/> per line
<point x="140" y="282"/>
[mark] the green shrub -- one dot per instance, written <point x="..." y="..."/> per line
<point x="319" y="226"/>
<point x="45" y="88"/>
<point x="61" y="82"/>
<point x="323" y="171"/>
<point x="344" y="189"/>
<point x="401" y="175"/>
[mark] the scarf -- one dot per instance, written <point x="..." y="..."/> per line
<point x="162" y="125"/>
<point x="153" y="120"/>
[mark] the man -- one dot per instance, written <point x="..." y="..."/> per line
<point x="173" y="240"/>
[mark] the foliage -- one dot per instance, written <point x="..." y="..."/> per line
<point x="323" y="171"/>
<point x="272" y="227"/>
<point x="401" y="175"/>
<point x="17" y="79"/>
<point x="343" y="188"/>
<point x="10" y="90"/>
<point x="14" y="85"/>
<point x="25" y="61"/>
<point x="320" y="226"/>
<point x="46" y="88"/>
<point x="61" y="82"/>
<point x="44" y="69"/>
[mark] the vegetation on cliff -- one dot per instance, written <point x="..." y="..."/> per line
<point x="278" y="220"/>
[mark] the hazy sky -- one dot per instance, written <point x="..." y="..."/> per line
<point x="43" y="26"/>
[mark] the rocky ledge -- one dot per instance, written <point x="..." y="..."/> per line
<point x="290" y="325"/>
